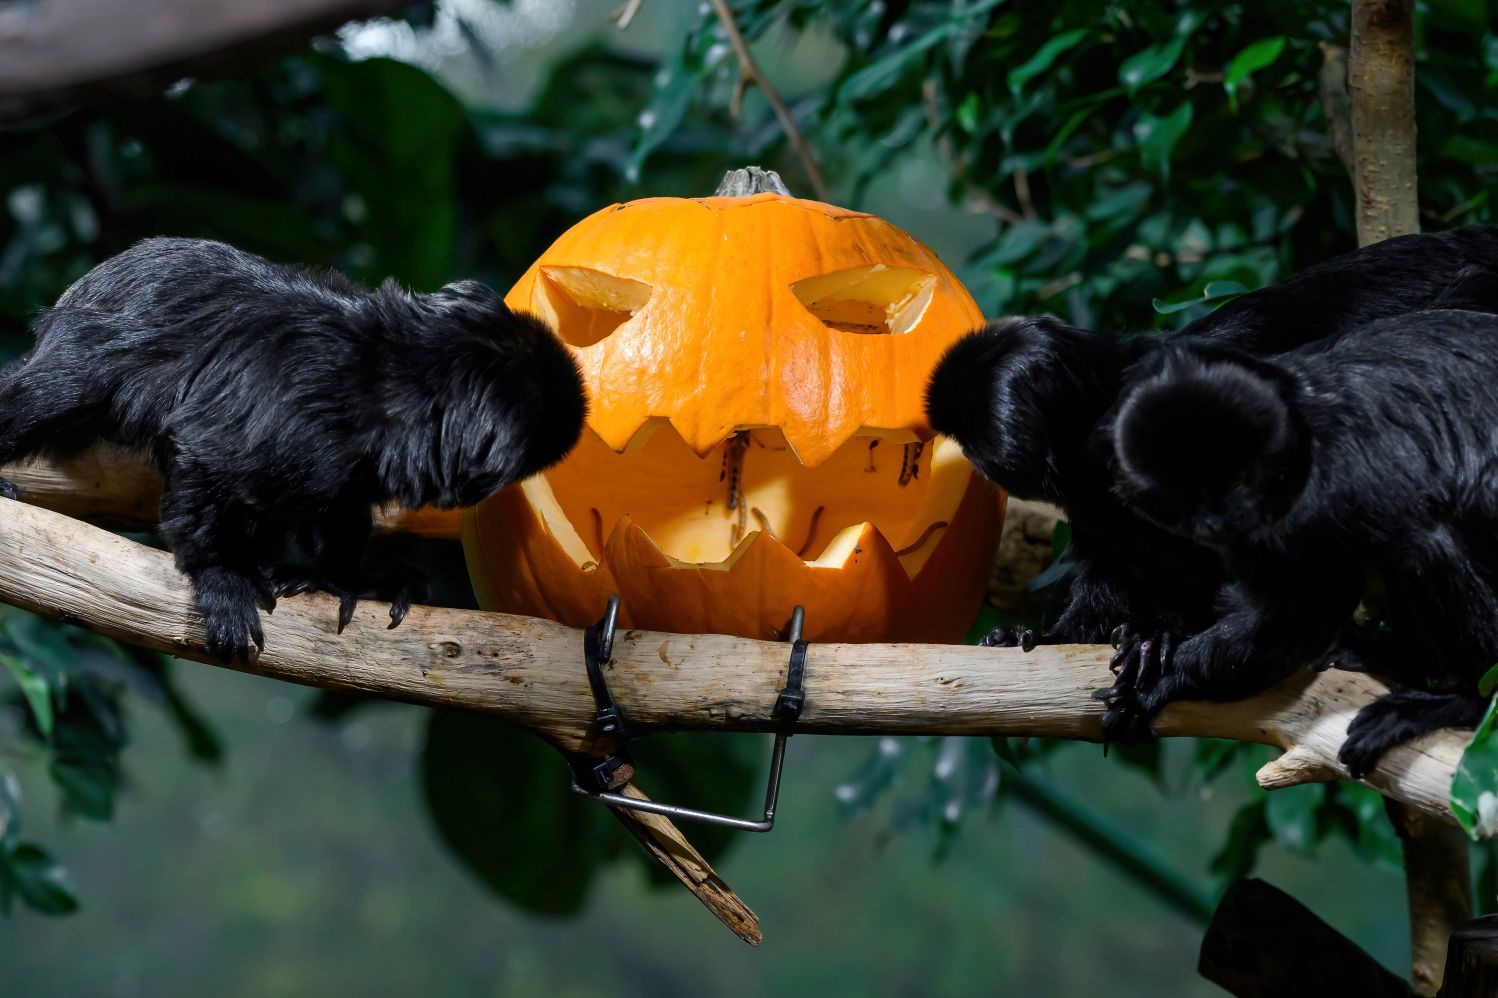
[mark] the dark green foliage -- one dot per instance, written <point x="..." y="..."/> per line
<point x="71" y="685"/>
<point x="1133" y="153"/>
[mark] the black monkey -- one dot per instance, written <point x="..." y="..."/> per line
<point x="278" y="402"/>
<point x="1377" y="452"/>
<point x="1027" y="398"/>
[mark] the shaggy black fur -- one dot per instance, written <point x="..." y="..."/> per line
<point x="1028" y="398"/>
<point x="281" y="402"/>
<point x="1378" y="451"/>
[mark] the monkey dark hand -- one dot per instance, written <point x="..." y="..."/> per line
<point x="230" y="605"/>
<point x="1009" y="636"/>
<point x="1398" y="717"/>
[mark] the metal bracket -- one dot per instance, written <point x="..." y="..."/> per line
<point x="598" y="643"/>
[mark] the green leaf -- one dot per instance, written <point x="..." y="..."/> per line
<point x="878" y="76"/>
<point x="1213" y="756"/>
<point x="1474" y="791"/>
<point x="1372" y="836"/>
<point x="1291" y="814"/>
<point x="1049" y="576"/>
<point x="1488" y="683"/>
<point x="34" y="689"/>
<point x="1247" y="834"/>
<point x="1253" y="58"/>
<point x="88" y="785"/>
<point x="1147" y="757"/>
<point x="1044" y="58"/>
<point x="967" y="113"/>
<point x="1157" y="136"/>
<point x="1060" y="538"/>
<point x="39" y="881"/>
<point x="1212" y="291"/>
<point x="501" y="802"/>
<point x="1150" y="64"/>
<point x="1223" y="289"/>
<point x="1018" y="241"/>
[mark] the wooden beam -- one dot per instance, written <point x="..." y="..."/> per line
<point x="57" y="51"/>
<point x="530" y="673"/>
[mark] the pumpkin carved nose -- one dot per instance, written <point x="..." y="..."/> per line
<point x="585" y="305"/>
<point x="872" y="299"/>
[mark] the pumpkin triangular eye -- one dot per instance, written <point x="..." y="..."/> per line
<point x="872" y="299"/>
<point x="585" y="305"/>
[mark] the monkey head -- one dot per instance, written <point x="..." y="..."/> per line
<point x="483" y="398"/>
<point x="1210" y="446"/>
<point x="1022" y="396"/>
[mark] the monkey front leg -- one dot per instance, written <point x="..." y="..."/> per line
<point x="1265" y="634"/>
<point x="213" y="552"/>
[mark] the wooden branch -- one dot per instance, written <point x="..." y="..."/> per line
<point x="1263" y="943"/>
<point x="1381" y="84"/>
<point x="115" y="488"/>
<point x="530" y="673"/>
<point x="1439" y="888"/>
<point x="750" y="73"/>
<point x="662" y="840"/>
<point x="51" y="51"/>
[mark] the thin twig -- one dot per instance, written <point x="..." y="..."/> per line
<point x="625" y="13"/>
<point x="749" y="71"/>
<point x="1022" y="195"/>
<point x="975" y="195"/>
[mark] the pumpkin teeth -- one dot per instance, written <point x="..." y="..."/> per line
<point x="702" y="441"/>
<point x="756" y="498"/>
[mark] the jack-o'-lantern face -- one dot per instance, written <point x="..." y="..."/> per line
<point x="756" y="435"/>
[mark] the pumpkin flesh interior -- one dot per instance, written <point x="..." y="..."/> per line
<point x="907" y="490"/>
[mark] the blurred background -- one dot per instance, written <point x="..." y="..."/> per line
<point x="183" y="830"/>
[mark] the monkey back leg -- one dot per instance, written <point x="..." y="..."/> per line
<point x="46" y="406"/>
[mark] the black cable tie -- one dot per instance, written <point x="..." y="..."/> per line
<point x="609" y="719"/>
<point x="793" y="698"/>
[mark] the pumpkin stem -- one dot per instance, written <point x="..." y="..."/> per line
<point x="750" y="180"/>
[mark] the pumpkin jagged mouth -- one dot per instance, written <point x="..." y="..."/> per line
<point x="883" y="494"/>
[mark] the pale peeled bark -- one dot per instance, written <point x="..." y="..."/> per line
<point x="530" y="673"/>
<point x="114" y="487"/>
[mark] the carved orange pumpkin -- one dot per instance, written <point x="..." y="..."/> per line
<point x="755" y="436"/>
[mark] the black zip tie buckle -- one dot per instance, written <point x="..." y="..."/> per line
<point x="597" y="781"/>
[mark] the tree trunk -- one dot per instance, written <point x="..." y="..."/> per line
<point x="1381" y="83"/>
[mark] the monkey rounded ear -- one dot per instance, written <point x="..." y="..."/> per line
<point x="959" y="394"/>
<point x="1197" y="427"/>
